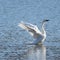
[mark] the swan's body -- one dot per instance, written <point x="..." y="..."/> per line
<point x="40" y="36"/>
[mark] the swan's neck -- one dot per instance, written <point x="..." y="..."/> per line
<point x="43" y="29"/>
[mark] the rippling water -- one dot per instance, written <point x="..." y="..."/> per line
<point x="13" y="40"/>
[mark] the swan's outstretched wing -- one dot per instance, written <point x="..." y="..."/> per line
<point x="32" y="29"/>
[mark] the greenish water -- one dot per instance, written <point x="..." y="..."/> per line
<point x="13" y="40"/>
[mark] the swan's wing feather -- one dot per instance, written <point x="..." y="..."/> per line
<point x="33" y="30"/>
<point x="34" y="27"/>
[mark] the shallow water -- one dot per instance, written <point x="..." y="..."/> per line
<point x="13" y="39"/>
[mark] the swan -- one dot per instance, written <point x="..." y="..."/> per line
<point x="40" y="36"/>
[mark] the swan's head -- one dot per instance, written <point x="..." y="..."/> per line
<point x="45" y="21"/>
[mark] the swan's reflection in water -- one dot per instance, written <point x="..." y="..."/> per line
<point x="37" y="53"/>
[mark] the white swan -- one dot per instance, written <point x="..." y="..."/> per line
<point x="40" y="36"/>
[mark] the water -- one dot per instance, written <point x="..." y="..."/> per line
<point x="13" y="40"/>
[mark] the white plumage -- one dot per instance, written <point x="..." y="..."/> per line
<point x="40" y="36"/>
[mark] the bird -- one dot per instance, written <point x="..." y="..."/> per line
<point x="33" y="30"/>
